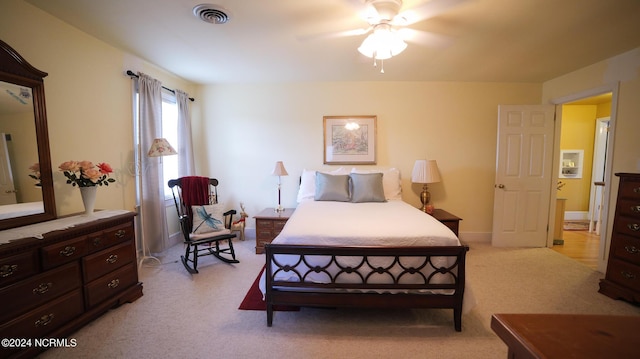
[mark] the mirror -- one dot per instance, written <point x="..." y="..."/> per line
<point x="26" y="180"/>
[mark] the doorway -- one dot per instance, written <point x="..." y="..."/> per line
<point x="585" y="127"/>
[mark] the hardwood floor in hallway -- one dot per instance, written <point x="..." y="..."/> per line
<point x="582" y="246"/>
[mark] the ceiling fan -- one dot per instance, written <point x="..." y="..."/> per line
<point x="389" y="26"/>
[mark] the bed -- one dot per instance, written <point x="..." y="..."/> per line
<point x="362" y="246"/>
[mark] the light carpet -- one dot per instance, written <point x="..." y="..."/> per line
<point x="185" y="316"/>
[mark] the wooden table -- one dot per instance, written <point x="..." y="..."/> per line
<point x="450" y="220"/>
<point x="269" y="223"/>
<point x="568" y="335"/>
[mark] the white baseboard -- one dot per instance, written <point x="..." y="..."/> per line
<point x="576" y="215"/>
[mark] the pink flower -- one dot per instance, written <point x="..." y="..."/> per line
<point x="71" y="166"/>
<point x="85" y="165"/>
<point x="35" y="167"/>
<point x="92" y="174"/>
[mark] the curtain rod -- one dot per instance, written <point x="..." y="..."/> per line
<point x="131" y="74"/>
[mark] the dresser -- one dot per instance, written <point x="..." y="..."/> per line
<point x="269" y="223"/>
<point x="622" y="279"/>
<point x="52" y="286"/>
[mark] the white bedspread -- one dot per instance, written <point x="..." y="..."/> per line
<point x="392" y="223"/>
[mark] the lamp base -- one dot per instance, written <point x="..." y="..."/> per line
<point x="279" y="209"/>
<point x="425" y="196"/>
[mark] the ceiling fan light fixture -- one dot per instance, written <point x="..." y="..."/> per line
<point x="383" y="43"/>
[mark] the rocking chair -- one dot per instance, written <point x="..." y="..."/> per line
<point x="204" y="226"/>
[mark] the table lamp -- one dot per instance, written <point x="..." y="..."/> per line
<point x="425" y="172"/>
<point x="279" y="171"/>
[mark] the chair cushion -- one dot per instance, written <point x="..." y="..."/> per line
<point x="199" y="236"/>
<point x="208" y="218"/>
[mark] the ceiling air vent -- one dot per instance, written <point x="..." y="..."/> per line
<point x="211" y="13"/>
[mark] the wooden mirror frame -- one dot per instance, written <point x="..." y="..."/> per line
<point x="15" y="69"/>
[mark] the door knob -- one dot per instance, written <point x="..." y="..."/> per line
<point x="501" y="186"/>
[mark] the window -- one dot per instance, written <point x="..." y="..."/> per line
<point x="170" y="132"/>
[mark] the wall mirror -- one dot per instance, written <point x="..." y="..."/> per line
<point x="26" y="180"/>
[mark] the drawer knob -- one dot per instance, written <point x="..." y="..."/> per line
<point x="42" y="288"/>
<point x="636" y="190"/>
<point x="112" y="258"/>
<point x="8" y="269"/>
<point x="97" y="242"/>
<point x="634" y="226"/>
<point x="121" y="233"/>
<point x="114" y="283"/>
<point x="68" y="251"/>
<point x="44" y="320"/>
<point x="628" y="275"/>
<point x="635" y="209"/>
<point x="631" y="249"/>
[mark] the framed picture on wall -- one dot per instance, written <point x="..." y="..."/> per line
<point x="349" y="140"/>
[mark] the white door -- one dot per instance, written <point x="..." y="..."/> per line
<point x="597" y="174"/>
<point x="7" y="189"/>
<point x="523" y="175"/>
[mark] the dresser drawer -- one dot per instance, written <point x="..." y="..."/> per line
<point x="264" y="234"/>
<point x="99" y="240"/>
<point x="629" y="189"/>
<point x="629" y="208"/>
<point x="38" y="322"/>
<point x="98" y="264"/>
<point x="627" y="226"/>
<point x="14" y="268"/>
<point x="627" y="248"/>
<point x="278" y="225"/>
<point x="63" y="252"/>
<point x="624" y="274"/>
<point x="22" y="296"/>
<point x="110" y="284"/>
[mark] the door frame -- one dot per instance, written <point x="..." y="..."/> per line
<point x="604" y="228"/>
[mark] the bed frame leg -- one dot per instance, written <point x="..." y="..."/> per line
<point x="457" y="319"/>
<point x="269" y="315"/>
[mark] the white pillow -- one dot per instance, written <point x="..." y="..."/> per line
<point x="208" y="218"/>
<point x="307" y="189"/>
<point x="390" y="181"/>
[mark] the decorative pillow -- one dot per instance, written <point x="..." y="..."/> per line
<point x="307" y="189"/>
<point x="332" y="187"/>
<point x="208" y="218"/>
<point x="390" y="181"/>
<point x="367" y="187"/>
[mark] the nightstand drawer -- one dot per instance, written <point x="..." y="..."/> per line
<point x="629" y="189"/>
<point x="265" y="224"/>
<point x="627" y="225"/>
<point x="627" y="248"/>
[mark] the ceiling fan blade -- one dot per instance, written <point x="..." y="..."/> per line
<point x="335" y="34"/>
<point x="424" y="38"/>
<point x="425" y="11"/>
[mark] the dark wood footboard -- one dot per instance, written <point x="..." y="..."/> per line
<point x="410" y="277"/>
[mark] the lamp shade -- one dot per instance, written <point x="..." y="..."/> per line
<point x="279" y="170"/>
<point x="425" y="171"/>
<point x="161" y="147"/>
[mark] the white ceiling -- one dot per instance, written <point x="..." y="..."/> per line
<point x="273" y="40"/>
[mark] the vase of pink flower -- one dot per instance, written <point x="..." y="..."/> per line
<point x="87" y="176"/>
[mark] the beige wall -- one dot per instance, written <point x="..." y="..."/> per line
<point x="88" y="98"/>
<point x="247" y="128"/>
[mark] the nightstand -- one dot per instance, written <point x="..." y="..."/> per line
<point x="448" y="219"/>
<point x="269" y="223"/>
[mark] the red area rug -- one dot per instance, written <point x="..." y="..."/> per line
<point x="253" y="299"/>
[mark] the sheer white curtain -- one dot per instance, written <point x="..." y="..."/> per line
<point x="186" y="165"/>
<point x="151" y="198"/>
